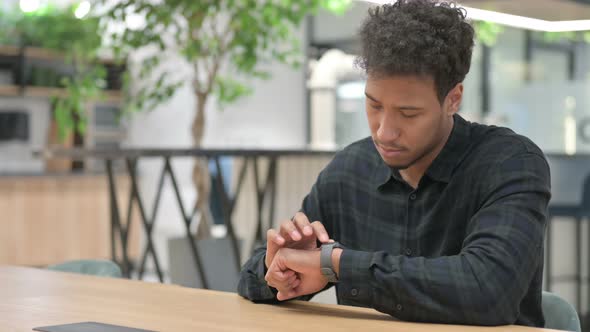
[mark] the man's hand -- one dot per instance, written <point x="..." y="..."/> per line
<point x="298" y="233"/>
<point x="295" y="273"/>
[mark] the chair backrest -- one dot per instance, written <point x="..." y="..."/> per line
<point x="559" y="314"/>
<point x="101" y="268"/>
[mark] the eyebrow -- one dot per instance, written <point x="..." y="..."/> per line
<point x="402" y="108"/>
<point x="371" y="97"/>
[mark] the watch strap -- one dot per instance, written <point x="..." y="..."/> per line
<point x="326" y="267"/>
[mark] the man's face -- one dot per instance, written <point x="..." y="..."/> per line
<point x="408" y="124"/>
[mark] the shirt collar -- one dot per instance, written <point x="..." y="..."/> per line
<point x="383" y="173"/>
<point x="443" y="165"/>
<point x="453" y="152"/>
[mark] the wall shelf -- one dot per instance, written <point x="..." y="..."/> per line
<point x="114" y="96"/>
<point x="9" y="90"/>
<point x="39" y="67"/>
<point x="38" y="53"/>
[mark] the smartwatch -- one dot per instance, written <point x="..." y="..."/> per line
<point x="326" y="266"/>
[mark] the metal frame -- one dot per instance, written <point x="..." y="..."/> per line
<point x="120" y="228"/>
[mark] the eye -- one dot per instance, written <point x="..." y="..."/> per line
<point x="409" y="115"/>
<point x="376" y="107"/>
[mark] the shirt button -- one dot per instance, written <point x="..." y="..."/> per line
<point x="399" y="307"/>
<point x="354" y="292"/>
<point x="408" y="252"/>
<point x="413" y="197"/>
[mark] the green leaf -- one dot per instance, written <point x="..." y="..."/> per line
<point x="487" y="32"/>
<point x="338" y="7"/>
<point x="229" y="90"/>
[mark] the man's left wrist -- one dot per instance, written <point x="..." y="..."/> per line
<point x="336" y="253"/>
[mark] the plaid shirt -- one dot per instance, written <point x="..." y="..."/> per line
<point x="465" y="247"/>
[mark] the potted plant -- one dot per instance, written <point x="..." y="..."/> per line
<point x="73" y="72"/>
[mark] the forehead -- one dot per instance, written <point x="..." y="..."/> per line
<point x="401" y="87"/>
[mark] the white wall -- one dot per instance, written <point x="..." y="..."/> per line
<point x="274" y="116"/>
<point x="329" y="27"/>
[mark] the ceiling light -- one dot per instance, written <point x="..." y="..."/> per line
<point x="526" y="22"/>
<point x="516" y="21"/>
<point x="29" y="6"/>
<point x="82" y="10"/>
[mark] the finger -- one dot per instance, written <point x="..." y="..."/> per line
<point x="302" y="223"/>
<point x="288" y="229"/>
<point x="283" y="287"/>
<point x="278" y="275"/>
<point x="283" y="276"/>
<point x="288" y="283"/>
<point x="295" y="283"/>
<point x="291" y="280"/>
<point x="320" y="231"/>
<point x="271" y="280"/>
<point x="282" y="295"/>
<point x="275" y="237"/>
<point x="289" y="274"/>
<point x="281" y="280"/>
<point x="273" y="243"/>
<point x="292" y="293"/>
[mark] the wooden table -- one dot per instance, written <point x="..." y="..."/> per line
<point x="31" y="298"/>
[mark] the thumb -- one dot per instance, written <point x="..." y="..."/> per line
<point x="283" y="296"/>
<point x="274" y="242"/>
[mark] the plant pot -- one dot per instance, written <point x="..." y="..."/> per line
<point x="58" y="165"/>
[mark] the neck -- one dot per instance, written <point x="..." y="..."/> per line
<point x="413" y="174"/>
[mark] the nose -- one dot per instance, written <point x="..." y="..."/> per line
<point x="388" y="129"/>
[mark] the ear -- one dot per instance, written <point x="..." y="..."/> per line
<point x="453" y="100"/>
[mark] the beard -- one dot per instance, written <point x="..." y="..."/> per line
<point x="402" y="165"/>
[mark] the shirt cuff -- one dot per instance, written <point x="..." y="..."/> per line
<point x="266" y="292"/>
<point x="354" y="277"/>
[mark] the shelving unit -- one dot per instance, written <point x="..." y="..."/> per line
<point x="32" y="72"/>
<point x="22" y="63"/>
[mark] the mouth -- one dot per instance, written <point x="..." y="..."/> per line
<point x="389" y="152"/>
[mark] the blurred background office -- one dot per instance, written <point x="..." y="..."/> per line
<point x="530" y="72"/>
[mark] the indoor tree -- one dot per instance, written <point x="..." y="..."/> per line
<point x="226" y="42"/>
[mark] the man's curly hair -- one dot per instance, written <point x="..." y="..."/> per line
<point x="418" y="37"/>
